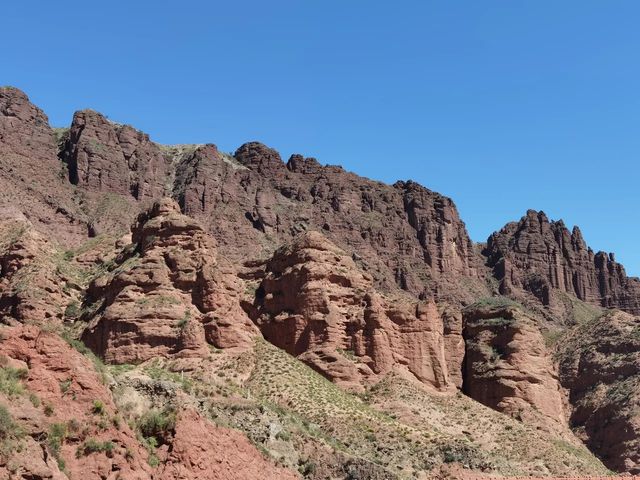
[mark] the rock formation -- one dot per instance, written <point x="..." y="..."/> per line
<point x="200" y="450"/>
<point x="507" y="366"/>
<point x="32" y="286"/>
<point x="65" y="424"/>
<point x="107" y="157"/>
<point x="236" y="252"/>
<point x="538" y="256"/>
<point x="64" y="405"/>
<point x="168" y="294"/>
<point x="404" y="235"/>
<point x="317" y="305"/>
<point x="32" y="179"/>
<point x="600" y="366"/>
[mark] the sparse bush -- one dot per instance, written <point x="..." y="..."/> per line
<point x="98" y="407"/>
<point x="83" y="349"/>
<point x="64" y="385"/>
<point x="55" y="438"/>
<point x="92" y="445"/>
<point x="306" y="467"/>
<point x="35" y="401"/>
<point x="72" y="311"/>
<point x="182" y="324"/>
<point x="10" y="433"/>
<point x="157" y="424"/>
<point x="7" y="427"/>
<point x="73" y="425"/>
<point x="10" y="381"/>
<point x="153" y="460"/>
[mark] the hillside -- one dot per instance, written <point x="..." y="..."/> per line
<point x="290" y="319"/>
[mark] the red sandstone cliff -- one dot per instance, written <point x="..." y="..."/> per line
<point x="538" y="255"/>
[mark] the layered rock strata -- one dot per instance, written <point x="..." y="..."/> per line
<point x="316" y="304"/>
<point x="507" y="366"/>
<point x="600" y="366"/>
<point x="540" y="256"/>
<point x="168" y="294"/>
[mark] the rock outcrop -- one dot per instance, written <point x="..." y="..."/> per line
<point x="538" y="255"/>
<point x="59" y="422"/>
<point x="32" y="285"/>
<point x="600" y="366"/>
<point x="32" y="179"/>
<point x="169" y="294"/>
<point x="404" y="235"/>
<point x="317" y="305"/>
<point x="378" y="295"/>
<point x="59" y="407"/>
<point x="104" y="156"/>
<point x="507" y="366"/>
<point x="202" y="451"/>
<point x="24" y="128"/>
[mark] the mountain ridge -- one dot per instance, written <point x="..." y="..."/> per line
<point x="331" y="318"/>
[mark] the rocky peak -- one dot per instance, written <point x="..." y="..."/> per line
<point x="198" y="171"/>
<point x="299" y="164"/>
<point x="442" y="235"/>
<point x="538" y="256"/>
<point x="259" y="158"/>
<point x="24" y="128"/>
<point x="104" y="156"/>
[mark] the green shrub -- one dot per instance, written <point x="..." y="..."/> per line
<point x="10" y="380"/>
<point x="72" y="311"/>
<point x="306" y="468"/>
<point x="55" y="438"/>
<point x="284" y="436"/>
<point x="153" y="460"/>
<point x="7" y="427"/>
<point x="35" y="401"/>
<point x="157" y="424"/>
<point x="182" y="324"/>
<point x="98" y="407"/>
<point x="91" y="445"/>
<point x="10" y="434"/>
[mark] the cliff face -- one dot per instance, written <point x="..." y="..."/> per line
<point x="168" y="294"/>
<point x="507" y="366"/>
<point x="539" y="256"/>
<point x="600" y="366"/>
<point x="32" y="179"/>
<point x="317" y="305"/>
<point x="32" y="287"/>
<point x="107" y="157"/>
<point x="365" y="283"/>
<point x="404" y="235"/>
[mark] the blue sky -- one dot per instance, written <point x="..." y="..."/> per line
<point x="501" y="105"/>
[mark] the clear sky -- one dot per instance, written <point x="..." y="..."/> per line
<point x="501" y="105"/>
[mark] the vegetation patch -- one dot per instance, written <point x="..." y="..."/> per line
<point x="11" y="380"/>
<point x="10" y="433"/>
<point x="91" y="445"/>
